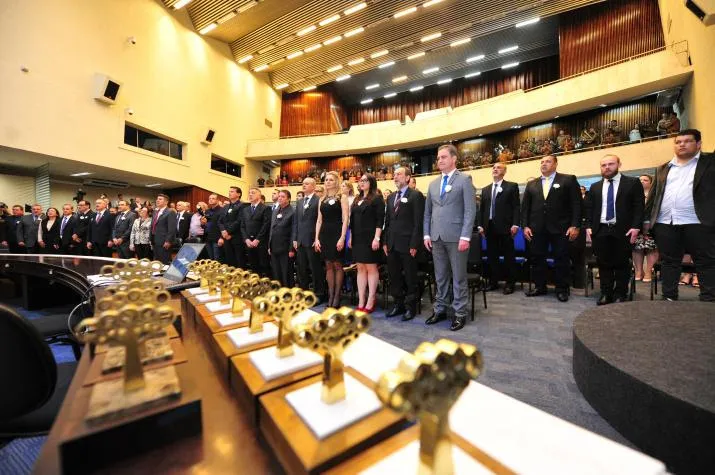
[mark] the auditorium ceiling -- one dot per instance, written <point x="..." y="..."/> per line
<point x="394" y="43"/>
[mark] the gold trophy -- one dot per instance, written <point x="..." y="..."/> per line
<point x="201" y="267"/>
<point x="249" y="289"/>
<point x="283" y="304"/>
<point x="425" y="386"/>
<point x="329" y="335"/>
<point x="131" y="269"/>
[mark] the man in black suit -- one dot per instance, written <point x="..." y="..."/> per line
<point x="255" y="226"/>
<point x="551" y="214"/>
<point x="499" y="218"/>
<point x="681" y="211"/>
<point x="280" y="246"/>
<point x="212" y="233"/>
<point x="306" y="215"/>
<point x="163" y="229"/>
<point x="183" y="221"/>
<point x="402" y="237"/>
<point x="234" y="247"/>
<point x="81" y="231"/>
<point x="27" y="230"/>
<point x="13" y="222"/>
<point x="99" y="233"/>
<point x="614" y="217"/>
<point x="123" y="229"/>
<point x="68" y="224"/>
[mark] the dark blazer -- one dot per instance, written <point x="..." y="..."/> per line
<point x="561" y="209"/>
<point x="506" y="207"/>
<point x="13" y="222"/>
<point x="101" y="232"/>
<point x="230" y="219"/>
<point x="703" y="190"/>
<point x="212" y="232"/>
<point x="183" y="222"/>
<point x="365" y="218"/>
<point x="123" y="227"/>
<point x="27" y="230"/>
<point x="403" y="229"/>
<point x="255" y="225"/>
<point x="70" y="228"/>
<point x="165" y="228"/>
<point x="304" y="221"/>
<point x="629" y="205"/>
<point x="82" y="227"/>
<point x="281" y="234"/>
<point x="51" y="237"/>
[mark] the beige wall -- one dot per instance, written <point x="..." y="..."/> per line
<point x="699" y="95"/>
<point x="178" y="83"/>
<point x="16" y="189"/>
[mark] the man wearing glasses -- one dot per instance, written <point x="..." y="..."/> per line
<point x="682" y="214"/>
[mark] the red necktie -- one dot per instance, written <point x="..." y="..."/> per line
<point x="99" y="216"/>
<point x="153" y="223"/>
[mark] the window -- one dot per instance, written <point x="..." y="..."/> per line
<point x="148" y="141"/>
<point x="224" y="166"/>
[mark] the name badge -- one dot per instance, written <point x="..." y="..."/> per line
<point x="499" y="189"/>
<point x="279" y="216"/>
<point x="448" y="188"/>
<point x="305" y="206"/>
<point x="230" y="209"/>
<point x="331" y="202"/>
<point x="122" y="218"/>
<point x="556" y="185"/>
<point x="360" y="203"/>
<point x="403" y="200"/>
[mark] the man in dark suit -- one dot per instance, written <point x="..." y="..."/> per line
<point x="551" y="215"/>
<point x="212" y="233"/>
<point x="183" y="221"/>
<point x="234" y="247"/>
<point x="681" y="211"/>
<point x="13" y="222"/>
<point x="614" y="217"/>
<point x="306" y="215"/>
<point x="27" y="230"/>
<point x="280" y="246"/>
<point x="402" y="237"/>
<point x="255" y="226"/>
<point x="499" y="222"/>
<point x="68" y="224"/>
<point x="163" y="229"/>
<point x="123" y="229"/>
<point x="99" y="234"/>
<point x="81" y="231"/>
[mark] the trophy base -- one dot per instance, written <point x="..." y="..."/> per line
<point x="258" y="372"/>
<point x="157" y="349"/>
<point x="223" y="347"/>
<point x="197" y="291"/>
<point x="203" y="299"/>
<point x="217" y="307"/>
<point x="242" y="337"/>
<point x="230" y="320"/>
<point x="169" y="332"/>
<point x="207" y="324"/>
<point x="296" y="445"/>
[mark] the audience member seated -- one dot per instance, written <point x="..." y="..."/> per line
<point x="261" y="181"/>
<point x="664" y="124"/>
<point x="635" y="134"/>
<point x="270" y="182"/>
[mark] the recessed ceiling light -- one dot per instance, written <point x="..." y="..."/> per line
<point x="366" y="101"/>
<point x="430" y="70"/>
<point x="309" y="88"/>
<point x="332" y="69"/>
<point x="431" y="2"/>
<point x="416" y="55"/>
<point x="294" y="55"/>
<point x="460" y="42"/>
<point x="332" y="40"/>
<point x="509" y="49"/>
<point x="405" y="12"/>
<point x="329" y="20"/>
<point x="516" y="126"/>
<point x="85" y="173"/>
<point x="372" y="86"/>
<point x="603" y="105"/>
<point x="472" y="59"/>
<point x="343" y="77"/>
<point x="313" y="48"/>
<point x="416" y="88"/>
<point x="354" y="32"/>
<point x="556" y="116"/>
<point x="245" y="58"/>
<point x="377" y="54"/>
<point x="510" y="65"/>
<point x="356" y="61"/>
<point x="386" y="65"/>
<point x="389" y="95"/>
<point x="431" y="37"/>
<point x="444" y="81"/>
<point x="306" y="30"/>
<point x="176" y="6"/>
<point x="208" y="28"/>
<point x="399" y="79"/>
<point x="153" y="185"/>
<point x="260" y="68"/>
<point x="277" y="61"/>
<point x="356" y="8"/>
<point x="282" y="86"/>
<point x="471" y="75"/>
<point x="528" y="22"/>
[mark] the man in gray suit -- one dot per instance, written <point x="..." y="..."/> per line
<point x="123" y="229"/>
<point x="27" y="230"/>
<point x="450" y="210"/>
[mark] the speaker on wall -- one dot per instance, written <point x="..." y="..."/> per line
<point x="106" y="89"/>
<point x="703" y="9"/>
<point x="208" y="136"/>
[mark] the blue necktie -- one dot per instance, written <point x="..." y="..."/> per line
<point x="444" y="185"/>
<point x="610" y="206"/>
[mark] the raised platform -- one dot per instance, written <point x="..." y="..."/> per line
<point x="648" y="368"/>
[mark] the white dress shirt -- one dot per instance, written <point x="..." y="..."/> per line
<point x="495" y="186"/>
<point x="678" y="205"/>
<point x="604" y="198"/>
<point x="441" y="179"/>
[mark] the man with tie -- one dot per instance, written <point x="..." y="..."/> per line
<point x="99" y="234"/>
<point x="450" y="210"/>
<point x="614" y="217"/>
<point x="401" y="240"/>
<point x="309" y="262"/>
<point x="234" y="247"/>
<point x="27" y="230"/>
<point x="279" y="242"/>
<point x="183" y="221"/>
<point x="68" y="224"/>
<point x="163" y="229"/>
<point x="274" y="200"/>
<point x="81" y="231"/>
<point x="123" y="229"/>
<point x="499" y="215"/>
<point x="551" y="215"/>
<point x="13" y="222"/>
<point x="255" y="226"/>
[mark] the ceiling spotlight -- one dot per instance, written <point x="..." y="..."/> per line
<point x="405" y="12"/>
<point x="81" y="174"/>
<point x="282" y="86"/>
<point x="307" y="30"/>
<point x="460" y="42"/>
<point x="430" y="70"/>
<point x="377" y="54"/>
<point x="309" y="88"/>
<point x="603" y="105"/>
<point x="416" y="55"/>
<point x="260" y="68"/>
<point x="207" y="28"/>
<point x="356" y="8"/>
<point x="366" y="101"/>
<point x="343" y="77"/>
<point x="372" y="86"/>
<point x="313" y="48"/>
<point x="510" y="65"/>
<point x="516" y="126"/>
<point x="391" y="94"/>
<point x="153" y="185"/>
<point x="245" y="58"/>
<point x="475" y="58"/>
<point x="329" y="20"/>
<point x="334" y="68"/>
<point x="416" y="88"/>
<point x="509" y="49"/>
<point x="354" y="32"/>
<point x="471" y="75"/>
<point x="431" y="37"/>
<point x="399" y="79"/>
<point x="556" y="116"/>
<point x="177" y="5"/>
<point x="386" y="65"/>
<point x="356" y="61"/>
<point x="431" y="2"/>
<point x="332" y="40"/>
<point x="294" y="55"/>
<point x="444" y="81"/>
<point x="528" y="22"/>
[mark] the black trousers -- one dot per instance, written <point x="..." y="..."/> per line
<point x="123" y="250"/>
<point x="694" y="239"/>
<point x="143" y="251"/>
<point x="101" y="249"/>
<point x="499" y="244"/>
<point x="282" y="267"/>
<point x="560" y="251"/>
<point x="613" y="257"/>
<point x="258" y="259"/>
<point x="234" y="252"/>
<point x="309" y="261"/>
<point x="161" y="254"/>
<point x="402" y="268"/>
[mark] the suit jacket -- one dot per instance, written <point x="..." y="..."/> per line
<point x="506" y="207"/>
<point x="304" y="221"/>
<point x="403" y="228"/>
<point x="13" y="223"/>
<point x="27" y="230"/>
<point x="629" y="201"/>
<point x="450" y="217"/>
<point x="183" y="221"/>
<point x="82" y="227"/>
<point x="70" y="228"/>
<point x="367" y="217"/>
<point x="212" y="232"/>
<point x="281" y="234"/>
<point x="123" y="227"/>
<point x="703" y="190"/>
<point x="101" y="232"/>
<point x="51" y="237"/>
<point x="559" y="211"/>
<point x="230" y="219"/>
<point x="255" y="225"/>
<point x="164" y="230"/>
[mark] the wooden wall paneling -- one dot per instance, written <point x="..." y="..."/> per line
<point x="193" y="194"/>
<point x="314" y="112"/>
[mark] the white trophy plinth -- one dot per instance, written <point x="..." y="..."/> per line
<point x="242" y="337"/>
<point x="198" y="291"/>
<point x="230" y="318"/>
<point x="272" y="367"/>
<point x="407" y="459"/>
<point x="216" y="307"/>
<point x="205" y="298"/>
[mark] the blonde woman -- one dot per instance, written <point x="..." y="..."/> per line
<point x="348" y="189"/>
<point x="330" y="230"/>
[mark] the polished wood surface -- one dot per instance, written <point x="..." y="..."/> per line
<point x="223" y="350"/>
<point x="607" y="32"/>
<point x="193" y="194"/>
<point x="312" y="112"/>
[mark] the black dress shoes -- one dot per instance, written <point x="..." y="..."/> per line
<point x="436" y="318"/>
<point x="535" y="292"/>
<point x="508" y="289"/>
<point x="458" y="323"/>
<point x="395" y="311"/>
<point x="604" y="300"/>
<point x="562" y="295"/>
<point x="409" y="315"/>
<point x="619" y="299"/>
<point x="491" y="287"/>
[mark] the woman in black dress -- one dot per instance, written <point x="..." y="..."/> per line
<point x="366" y="220"/>
<point x="48" y="234"/>
<point x="330" y="230"/>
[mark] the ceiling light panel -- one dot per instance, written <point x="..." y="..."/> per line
<point x="478" y="57"/>
<point x="460" y="42"/>
<point x="431" y="2"/>
<point x="399" y="79"/>
<point x="416" y="88"/>
<point x="294" y="55"/>
<point x="431" y="37"/>
<point x="528" y="22"/>
<point x="176" y="6"/>
<point x="356" y="61"/>
<point x="313" y="48"/>
<point x="407" y="11"/>
<point x="307" y="30"/>
<point x="389" y="95"/>
<point x="508" y="49"/>
<point x="332" y="69"/>
<point x="344" y="77"/>
<point x="430" y="70"/>
<point x="332" y="40"/>
<point x="416" y="55"/>
<point x="377" y="54"/>
<point x="356" y="8"/>
<point x="372" y="86"/>
<point x="366" y="101"/>
<point x="386" y="65"/>
<point x="354" y="32"/>
<point x="329" y="20"/>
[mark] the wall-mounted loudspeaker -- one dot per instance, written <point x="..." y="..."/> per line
<point x="208" y="136"/>
<point x="106" y="89"/>
<point x="703" y="9"/>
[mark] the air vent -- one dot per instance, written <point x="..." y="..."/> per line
<point x="105" y="183"/>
